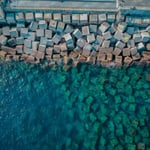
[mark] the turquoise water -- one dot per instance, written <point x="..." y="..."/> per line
<point x="84" y="108"/>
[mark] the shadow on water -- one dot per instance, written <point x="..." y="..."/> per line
<point x="80" y="109"/>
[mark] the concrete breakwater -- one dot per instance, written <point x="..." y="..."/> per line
<point x="106" y="41"/>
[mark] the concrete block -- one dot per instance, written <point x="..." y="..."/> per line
<point x="63" y="47"/>
<point x="56" y="56"/>
<point x="137" y="56"/>
<point x="102" y="18"/>
<point x="67" y="18"/>
<point x="68" y="38"/>
<point x="118" y="35"/>
<point x="56" y="38"/>
<point x="99" y="39"/>
<point x="53" y="25"/>
<point x="56" y="49"/>
<point x="19" y="49"/>
<point x="83" y="18"/>
<point x="77" y="33"/>
<point x="133" y="51"/>
<point x="148" y="46"/>
<point x="120" y="44"/>
<point x="70" y="46"/>
<point x="137" y="37"/>
<point x="93" y="28"/>
<point x="131" y="43"/>
<point x="42" y="48"/>
<point x="11" y="42"/>
<point x="91" y="38"/>
<point x="85" y="30"/>
<point x="20" y="17"/>
<point x="6" y="31"/>
<point x="2" y="54"/>
<point x="33" y="26"/>
<point x="40" y="55"/>
<point x="104" y="27"/>
<point x="57" y="17"/>
<point x="68" y="29"/>
<point x="27" y="50"/>
<point x="49" y="42"/>
<point x="130" y="30"/>
<point x="24" y="32"/>
<point x="117" y="51"/>
<point x="81" y="42"/>
<point x="87" y="50"/>
<point x="122" y="26"/>
<point x="107" y="35"/>
<point x="48" y="33"/>
<point x="29" y="17"/>
<point x="145" y="37"/>
<point x="93" y="18"/>
<point x="49" y="51"/>
<point x="35" y="45"/>
<point x="60" y="27"/>
<point x="111" y="17"/>
<point x="10" y="18"/>
<point x="42" y="24"/>
<point x="106" y="44"/>
<point x="19" y="40"/>
<point x="43" y="40"/>
<point x="47" y="16"/>
<point x="148" y="29"/>
<point x="38" y="16"/>
<point x="32" y="36"/>
<point x="20" y="25"/>
<point x="113" y="28"/>
<point x="40" y="32"/>
<point x="126" y="52"/>
<point x="13" y="32"/>
<point x="126" y="37"/>
<point x="75" y="18"/>
<point x="140" y="46"/>
<point x="118" y="60"/>
<point x="28" y="43"/>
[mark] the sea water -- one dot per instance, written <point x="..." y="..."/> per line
<point x="83" y="108"/>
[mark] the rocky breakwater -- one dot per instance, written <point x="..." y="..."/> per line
<point x="105" y="43"/>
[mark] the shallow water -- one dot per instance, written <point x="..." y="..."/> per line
<point x="84" y="108"/>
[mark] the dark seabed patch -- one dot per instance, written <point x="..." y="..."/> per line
<point x="84" y="108"/>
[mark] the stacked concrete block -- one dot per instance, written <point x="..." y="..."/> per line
<point x="68" y="29"/>
<point x="38" y="16"/>
<point x="75" y="18"/>
<point x="145" y="37"/>
<point x="104" y="27"/>
<point x="29" y="17"/>
<point x="19" y="49"/>
<point x="57" y="16"/>
<point x="42" y="24"/>
<point x="81" y="42"/>
<point x="91" y="38"/>
<point x="19" y="40"/>
<point x="102" y="18"/>
<point x="48" y="33"/>
<point x="106" y="44"/>
<point x="10" y="18"/>
<point x="85" y="30"/>
<point x="11" y="42"/>
<point x="120" y="44"/>
<point x="20" y="17"/>
<point x="122" y="26"/>
<point x="93" y="19"/>
<point x="33" y="26"/>
<point x="6" y="31"/>
<point x="49" y="42"/>
<point x="27" y="43"/>
<point x="93" y="28"/>
<point x="83" y="19"/>
<point x="60" y="27"/>
<point x="53" y="25"/>
<point x="137" y="37"/>
<point x="56" y="38"/>
<point x="107" y="35"/>
<point x="47" y="16"/>
<point x="3" y="40"/>
<point x="43" y="40"/>
<point x="35" y="45"/>
<point x="24" y="32"/>
<point x="40" y="32"/>
<point x="77" y="33"/>
<point x="68" y="38"/>
<point x="14" y="32"/>
<point x="67" y="18"/>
